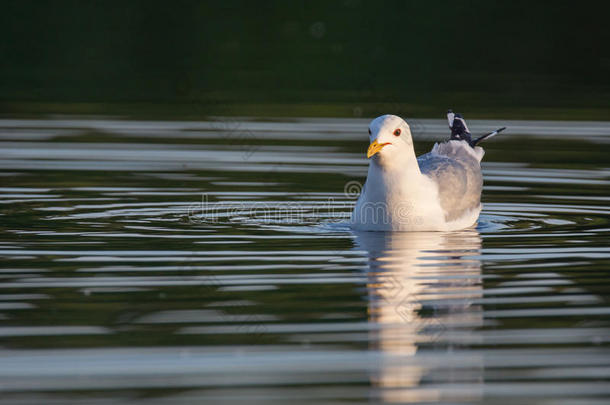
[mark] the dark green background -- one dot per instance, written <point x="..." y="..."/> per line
<point x="518" y="59"/>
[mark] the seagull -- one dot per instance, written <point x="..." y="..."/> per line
<point x="438" y="191"/>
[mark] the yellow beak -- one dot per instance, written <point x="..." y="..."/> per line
<point x="374" y="147"/>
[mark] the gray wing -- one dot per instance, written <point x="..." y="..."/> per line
<point x="459" y="181"/>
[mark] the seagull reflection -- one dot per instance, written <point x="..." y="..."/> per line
<point x="421" y="287"/>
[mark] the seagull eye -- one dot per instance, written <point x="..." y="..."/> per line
<point x="369" y="131"/>
<point x="397" y="132"/>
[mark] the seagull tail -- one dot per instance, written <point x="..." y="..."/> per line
<point x="458" y="127"/>
<point x="480" y="139"/>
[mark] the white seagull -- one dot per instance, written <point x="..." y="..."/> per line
<point x="438" y="191"/>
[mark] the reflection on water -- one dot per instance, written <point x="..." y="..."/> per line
<point x="421" y="286"/>
<point x="164" y="263"/>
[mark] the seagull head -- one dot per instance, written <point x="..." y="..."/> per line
<point x="390" y="138"/>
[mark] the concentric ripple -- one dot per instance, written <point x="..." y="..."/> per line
<point x="197" y="265"/>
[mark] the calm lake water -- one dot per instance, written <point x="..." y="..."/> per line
<point x="182" y="262"/>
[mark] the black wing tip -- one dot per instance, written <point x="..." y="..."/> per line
<point x="480" y="139"/>
<point x="459" y="130"/>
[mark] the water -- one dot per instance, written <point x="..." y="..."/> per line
<point x="183" y="262"/>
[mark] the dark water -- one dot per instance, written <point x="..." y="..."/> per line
<point x="207" y="262"/>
